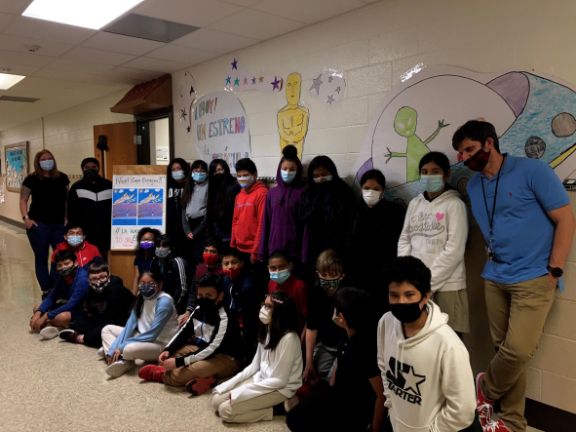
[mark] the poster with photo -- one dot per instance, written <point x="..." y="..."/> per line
<point x="16" y="163"/>
<point x="138" y="201"/>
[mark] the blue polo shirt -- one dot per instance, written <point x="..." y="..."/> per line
<point x="522" y="233"/>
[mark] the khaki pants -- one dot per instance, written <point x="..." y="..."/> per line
<point x="220" y="365"/>
<point x="248" y="411"/>
<point x="148" y="351"/>
<point x="516" y="316"/>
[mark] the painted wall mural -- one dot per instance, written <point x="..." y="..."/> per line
<point x="533" y="115"/>
<point x="293" y="117"/>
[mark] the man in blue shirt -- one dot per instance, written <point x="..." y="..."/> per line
<point x="525" y="217"/>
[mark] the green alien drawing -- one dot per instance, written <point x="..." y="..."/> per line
<point x="405" y="124"/>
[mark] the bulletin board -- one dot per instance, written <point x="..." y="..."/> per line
<point x="16" y="163"/>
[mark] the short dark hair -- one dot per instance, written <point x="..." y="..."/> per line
<point x="163" y="241"/>
<point x="64" y="255"/>
<point x="475" y="130"/>
<point x="438" y="158"/>
<point x="89" y="160"/>
<point x="409" y="269"/>
<point x="213" y="242"/>
<point x="357" y="307"/>
<point x="246" y="164"/>
<point x="98" y="265"/>
<point x="281" y="255"/>
<point x="284" y="320"/>
<point x="199" y="163"/>
<point x="373" y="174"/>
<point x="145" y="230"/>
<point x="232" y="252"/>
<point x="211" y="281"/>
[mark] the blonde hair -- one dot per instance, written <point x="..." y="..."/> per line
<point x="329" y="262"/>
<point x="39" y="171"/>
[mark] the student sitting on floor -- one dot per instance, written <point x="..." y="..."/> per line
<point x="204" y="349"/>
<point x="275" y="372"/>
<point x="108" y="302"/>
<point x="64" y="300"/>
<point x="152" y="323"/>
<point x="354" y="401"/>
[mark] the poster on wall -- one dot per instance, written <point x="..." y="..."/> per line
<point x="137" y="201"/>
<point x="16" y="163"/>
<point x="220" y="128"/>
<point x="534" y="116"/>
<point x="293" y="117"/>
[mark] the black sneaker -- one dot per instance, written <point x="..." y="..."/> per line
<point x="68" y="335"/>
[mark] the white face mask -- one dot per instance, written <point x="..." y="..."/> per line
<point x="246" y="181"/>
<point x="265" y="315"/>
<point x="371" y="197"/>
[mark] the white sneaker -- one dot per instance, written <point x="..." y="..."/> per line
<point x="101" y="353"/>
<point x="49" y="332"/>
<point x="119" y="368"/>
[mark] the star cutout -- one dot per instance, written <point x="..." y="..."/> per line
<point x="330" y="99"/>
<point x="338" y="90"/>
<point x="413" y="381"/>
<point x="228" y="80"/>
<point x="316" y="83"/>
<point x="234" y="64"/>
<point x="276" y="84"/>
<point x="183" y="114"/>
<point x="330" y="79"/>
<point x="236" y="82"/>
<point x="192" y="90"/>
<point x="253" y="80"/>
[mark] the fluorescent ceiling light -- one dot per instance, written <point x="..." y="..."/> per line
<point x="8" y="80"/>
<point x="92" y="14"/>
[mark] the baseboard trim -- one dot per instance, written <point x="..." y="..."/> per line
<point x="12" y="222"/>
<point x="548" y="418"/>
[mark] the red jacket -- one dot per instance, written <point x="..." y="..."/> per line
<point x="247" y="220"/>
<point x="84" y="254"/>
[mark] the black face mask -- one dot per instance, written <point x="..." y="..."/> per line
<point x="90" y="173"/>
<point x="67" y="271"/>
<point x="206" y="304"/>
<point x="406" y="312"/>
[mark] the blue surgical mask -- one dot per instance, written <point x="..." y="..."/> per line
<point x="47" y="165"/>
<point x="162" y="252"/>
<point x="148" y="290"/>
<point x="199" y="177"/>
<point x="75" y="240"/>
<point x="432" y="183"/>
<point x="288" y="176"/>
<point x="178" y="175"/>
<point x="246" y="181"/>
<point x="280" y="276"/>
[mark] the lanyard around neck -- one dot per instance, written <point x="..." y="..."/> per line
<point x="488" y="214"/>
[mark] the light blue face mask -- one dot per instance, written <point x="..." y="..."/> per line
<point x="178" y="175"/>
<point x="75" y="240"/>
<point x="432" y="183"/>
<point x="199" y="177"/>
<point x="280" y="276"/>
<point x="47" y="165"/>
<point x="288" y="176"/>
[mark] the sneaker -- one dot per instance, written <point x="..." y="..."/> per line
<point x="495" y="426"/>
<point x="484" y="406"/>
<point x="101" y="353"/>
<point x="198" y="386"/>
<point x="68" y="335"/>
<point x="152" y="373"/>
<point x="48" y="332"/>
<point x="119" y="368"/>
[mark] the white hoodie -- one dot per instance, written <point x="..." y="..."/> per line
<point x="436" y="233"/>
<point x="427" y="378"/>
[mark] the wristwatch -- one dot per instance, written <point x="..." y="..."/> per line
<point x="556" y="272"/>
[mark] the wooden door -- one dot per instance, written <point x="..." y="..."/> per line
<point x="121" y="147"/>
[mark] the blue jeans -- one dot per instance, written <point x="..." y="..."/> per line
<point x="41" y="238"/>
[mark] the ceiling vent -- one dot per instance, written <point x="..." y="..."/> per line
<point x="18" y="99"/>
<point x="144" y="27"/>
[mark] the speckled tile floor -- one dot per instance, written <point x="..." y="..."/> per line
<point x="53" y="385"/>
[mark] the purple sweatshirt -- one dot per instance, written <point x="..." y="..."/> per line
<point x="282" y="229"/>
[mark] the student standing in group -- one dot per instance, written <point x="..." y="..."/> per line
<point x="194" y="203"/>
<point x="151" y="325"/>
<point x="275" y="372"/>
<point x="282" y="228"/>
<point x="375" y="234"/>
<point x="222" y="191"/>
<point x="177" y="176"/>
<point x="511" y="198"/>
<point x="425" y="367"/>
<point x="45" y="219"/>
<point x="436" y="231"/>
<point x="145" y="251"/>
<point x="248" y="210"/>
<point x="90" y="205"/>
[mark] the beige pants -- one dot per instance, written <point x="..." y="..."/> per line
<point x="148" y="351"/>
<point x="247" y="411"/>
<point x="220" y="365"/>
<point x="516" y="316"/>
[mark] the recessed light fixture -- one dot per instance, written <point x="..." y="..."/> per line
<point x="81" y="13"/>
<point x="8" y="80"/>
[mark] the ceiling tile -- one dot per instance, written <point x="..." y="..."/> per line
<point x="5" y="20"/>
<point x="21" y="44"/>
<point x="121" y="44"/>
<point x="214" y="40"/>
<point x="92" y="55"/>
<point x="193" y="12"/>
<point x="62" y="65"/>
<point x="157" y="65"/>
<point x="17" y="69"/>
<point x="34" y="28"/>
<point x="307" y="11"/>
<point x="255" y="24"/>
<point x="67" y="75"/>
<point x="15" y="7"/>
<point x="245" y="3"/>
<point x="130" y="75"/>
<point x="181" y="54"/>
<point x="25" y="59"/>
